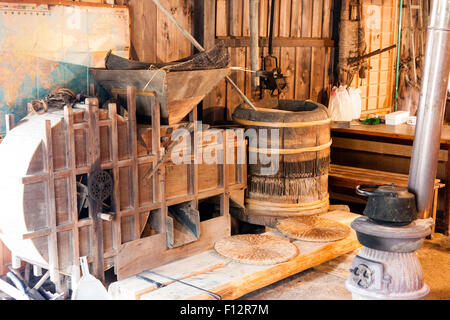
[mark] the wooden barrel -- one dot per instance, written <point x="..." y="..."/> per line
<point x="300" y="185"/>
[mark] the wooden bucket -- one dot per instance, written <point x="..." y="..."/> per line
<point x="300" y="186"/>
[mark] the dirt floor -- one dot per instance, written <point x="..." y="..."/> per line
<point x="327" y="281"/>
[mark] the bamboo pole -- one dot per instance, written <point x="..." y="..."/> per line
<point x="397" y="70"/>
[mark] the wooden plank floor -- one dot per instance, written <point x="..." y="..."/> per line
<point x="226" y="278"/>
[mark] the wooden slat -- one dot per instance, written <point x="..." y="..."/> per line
<point x="221" y="23"/>
<point x="132" y="143"/>
<point x="379" y="147"/>
<point x="51" y="209"/>
<point x="94" y="160"/>
<point x="318" y="54"/>
<point x="70" y="156"/>
<point x="287" y="41"/>
<point x="285" y="18"/>
<point x="303" y="55"/>
<point x="116" y="232"/>
<point x="235" y="17"/>
<point x="193" y="168"/>
<point x="263" y="14"/>
<point x="246" y="18"/>
<point x="296" y="17"/>
<point x="351" y="177"/>
<point x="238" y="60"/>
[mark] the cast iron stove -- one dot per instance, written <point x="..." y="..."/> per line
<point x="387" y="268"/>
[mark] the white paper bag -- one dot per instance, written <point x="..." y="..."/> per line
<point x="340" y="105"/>
<point x="355" y="97"/>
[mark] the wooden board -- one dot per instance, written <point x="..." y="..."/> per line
<point x="230" y="280"/>
<point x="351" y="177"/>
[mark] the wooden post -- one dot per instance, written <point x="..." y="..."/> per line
<point x="92" y="90"/>
<point x="225" y="197"/>
<point x="94" y="206"/>
<point x="71" y="160"/>
<point x="132" y="143"/>
<point x="51" y="210"/>
<point x="159" y="177"/>
<point x="116" y="233"/>
<point x="37" y="271"/>
<point x="446" y="217"/>
<point x="193" y="181"/>
<point x="16" y="263"/>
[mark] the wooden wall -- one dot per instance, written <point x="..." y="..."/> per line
<point x="302" y="45"/>
<point x="377" y="89"/>
<point x="153" y="37"/>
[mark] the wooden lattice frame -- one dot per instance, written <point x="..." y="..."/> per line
<point x="119" y="254"/>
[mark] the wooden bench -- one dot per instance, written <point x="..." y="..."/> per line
<point x="350" y="177"/>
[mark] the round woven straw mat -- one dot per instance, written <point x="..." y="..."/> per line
<point x="313" y="229"/>
<point x="256" y="249"/>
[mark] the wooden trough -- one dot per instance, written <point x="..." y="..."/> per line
<point x="178" y="92"/>
<point x="49" y="156"/>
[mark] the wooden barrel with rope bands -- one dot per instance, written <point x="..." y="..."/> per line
<point x="302" y="149"/>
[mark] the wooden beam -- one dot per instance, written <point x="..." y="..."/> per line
<point x="53" y="259"/>
<point x="94" y="160"/>
<point x="277" y="42"/>
<point x="138" y="93"/>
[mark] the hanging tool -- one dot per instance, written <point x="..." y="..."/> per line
<point x="201" y="49"/>
<point x="397" y="67"/>
<point x="271" y="77"/>
<point x="367" y="56"/>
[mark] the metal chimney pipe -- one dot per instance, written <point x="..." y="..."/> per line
<point x="431" y="109"/>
